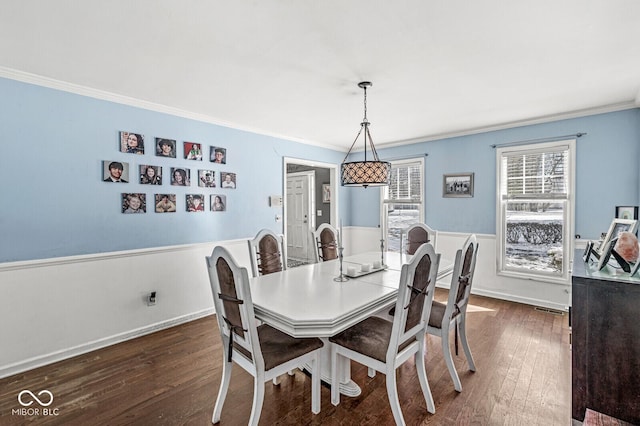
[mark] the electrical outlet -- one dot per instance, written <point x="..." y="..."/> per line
<point x="151" y="300"/>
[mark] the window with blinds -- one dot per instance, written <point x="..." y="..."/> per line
<point x="402" y="200"/>
<point x="535" y="210"/>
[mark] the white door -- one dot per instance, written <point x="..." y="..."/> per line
<point x="299" y="217"/>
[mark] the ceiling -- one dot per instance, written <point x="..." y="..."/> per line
<point x="290" y="68"/>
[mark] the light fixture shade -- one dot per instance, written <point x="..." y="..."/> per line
<point x="365" y="173"/>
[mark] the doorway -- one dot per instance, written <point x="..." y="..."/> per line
<point x="305" y="208"/>
<point x="300" y="218"/>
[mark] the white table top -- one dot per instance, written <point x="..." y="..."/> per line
<point x="306" y="301"/>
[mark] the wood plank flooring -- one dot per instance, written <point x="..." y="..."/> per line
<point x="171" y="377"/>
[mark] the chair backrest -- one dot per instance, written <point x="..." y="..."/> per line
<point x="268" y="253"/>
<point x="326" y="241"/>
<point x="415" y="295"/>
<point x="234" y="308"/>
<point x="416" y="235"/>
<point x="462" y="278"/>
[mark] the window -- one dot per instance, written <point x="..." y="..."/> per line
<point x="535" y="210"/>
<point x="402" y="200"/>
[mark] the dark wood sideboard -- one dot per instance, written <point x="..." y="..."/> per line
<point x="605" y="329"/>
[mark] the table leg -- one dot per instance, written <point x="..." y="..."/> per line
<point x="347" y="386"/>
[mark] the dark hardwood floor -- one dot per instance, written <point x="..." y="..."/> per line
<point x="172" y="377"/>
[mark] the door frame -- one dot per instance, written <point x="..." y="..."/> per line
<point x="333" y="181"/>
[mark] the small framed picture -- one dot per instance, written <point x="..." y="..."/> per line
<point x="192" y="151"/>
<point x="195" y="202"/>
<point x="165" y="203"/>
<point x="115" y="171"/>
<point x="617" y="226"/>
<point x="326" y="193"/>
<point x="166" y="148"/>
<point x="218" y="203"/>
<point x="457" y="185"/>
<point x="150" y="175"/>
<point x="207" y="178"/>
<point x="134" y="203"/>
<point x="627" y="212"/>
<point x="218" y="155"/>
<point x="180" y="176"/>
<point x="228" y="180"/>
<point x="131" y="143"/>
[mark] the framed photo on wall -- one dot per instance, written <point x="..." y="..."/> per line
<point x="165" y="203"/>
<point x="192" y="151"/>
<point x="166" y="148"/>
<point x="131" y="143"/>
<point x="228" y="180"/>
<point x="627" y="212"/>
<point x="218" y="203"/>
<point x="207" y="178"/>
<point x="134" y="203"/>
<point x="115" y="171"/>
<point x="218" y="155"/>
<point x="457" y="185"/>
<point x="326" y="193"/>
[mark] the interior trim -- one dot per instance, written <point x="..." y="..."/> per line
<point x="39" y="361"/>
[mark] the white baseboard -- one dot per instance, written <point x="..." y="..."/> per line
<point x="520" y="299"/>
<point x="46" y="359"/>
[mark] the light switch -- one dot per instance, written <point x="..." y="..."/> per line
<point x="319" y="213"/>
<point x="275" y="201"/>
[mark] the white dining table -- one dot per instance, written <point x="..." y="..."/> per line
<point x="306" y="301"/>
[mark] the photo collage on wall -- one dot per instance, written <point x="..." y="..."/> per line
<point x="151" y="172"/>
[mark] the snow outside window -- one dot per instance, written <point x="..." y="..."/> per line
<point x="535" y="210"/>
<point x="402" y="200"/>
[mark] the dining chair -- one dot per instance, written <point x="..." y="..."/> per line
<point x="416" y="235"/>
<point x="268" y="253"/>
<point x="326" y="241"/>
<point x="384" y="345"/>
<point x="263" y="351"/>
<point x="453" y="314"/>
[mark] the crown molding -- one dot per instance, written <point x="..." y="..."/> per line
<point x="519" y="123"/>
<point x="64" y="86"/>
<point x="104" y="95"/>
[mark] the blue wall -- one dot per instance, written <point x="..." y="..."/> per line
<point x="607" y="173"/>
<point x="54" y="202"/>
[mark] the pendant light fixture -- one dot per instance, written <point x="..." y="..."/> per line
<point x="368" y="172"/>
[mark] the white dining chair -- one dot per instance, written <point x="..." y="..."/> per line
<point x="325" y="239"/>
<point x="453" y="314"/>
<point x="268" y="253"/>
<point x="264" y="352"/>
<point x="383" y="345"/>
<point x="416" y="235"/>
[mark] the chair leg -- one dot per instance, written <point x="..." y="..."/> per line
<point x="258" y="399"/>
<point x="462" y="327"/>
<point x="276" y="381"/>
<point x="224" y="387"/>
<point x="446" y="353"/>
<point x="371" y="372"/>
<point x="315" y="384"/>
<point x="392" y="392"/>
<point x="335" y="382"/>
<point x="424" y="382"/>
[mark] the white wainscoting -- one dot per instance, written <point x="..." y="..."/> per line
<point x="486" y="281"/>
<point x="58" y="308"/>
